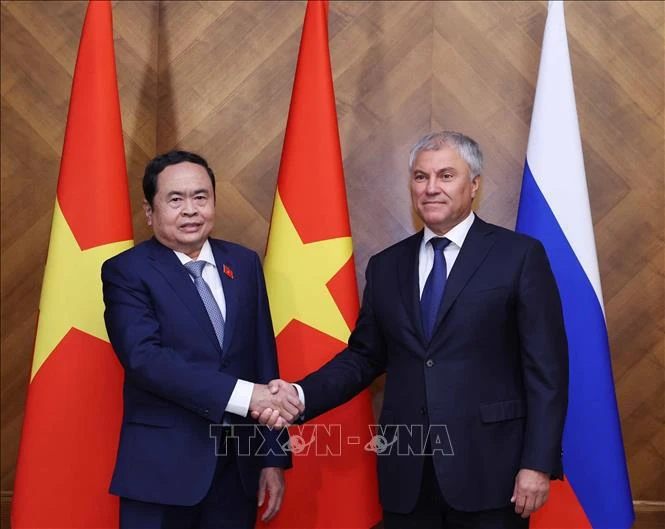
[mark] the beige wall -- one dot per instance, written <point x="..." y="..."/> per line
<point x="216" y="77"/>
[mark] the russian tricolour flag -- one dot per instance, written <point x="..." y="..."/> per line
<point x="554" y="207"/>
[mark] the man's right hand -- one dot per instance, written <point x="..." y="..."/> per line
<point x="276" y="405"/>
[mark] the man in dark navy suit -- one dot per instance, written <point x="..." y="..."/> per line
<point x="465" y="319"/>
<point x="188" y="317"/>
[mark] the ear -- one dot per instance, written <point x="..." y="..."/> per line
<point x="475" y="185"/>
<point x="147" y="208"/>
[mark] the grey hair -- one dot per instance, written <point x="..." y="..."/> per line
<point x="466" y="147"/>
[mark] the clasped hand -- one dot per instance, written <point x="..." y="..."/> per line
<point x="276" y="404"/>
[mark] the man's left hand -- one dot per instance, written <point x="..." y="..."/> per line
<point x="271" y="482"/>
<point x="531" y="490"/>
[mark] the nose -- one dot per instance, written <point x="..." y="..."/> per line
<point x="188" y="208"/>
<point x="431" y="187"/>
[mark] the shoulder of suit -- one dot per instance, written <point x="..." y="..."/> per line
<point x="506" y="236"/>
<point x="404" y="245"/>
<point x="131" y="254"/>
<point x="233" y="247"/>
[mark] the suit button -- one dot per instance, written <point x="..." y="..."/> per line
<point x="429" y="363"/>
<point x="423" y="411"/>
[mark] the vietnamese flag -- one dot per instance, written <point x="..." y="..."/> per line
<point x="74" y="403"/>
<point x="311" y="282"/>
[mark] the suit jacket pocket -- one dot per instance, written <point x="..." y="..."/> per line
<point x="160" y="417"/>
<point x="502" y="411"/>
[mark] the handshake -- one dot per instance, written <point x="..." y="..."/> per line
<point x="276" y="404"/>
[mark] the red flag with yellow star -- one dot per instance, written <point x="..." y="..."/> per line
<point x="311" y="282"/>
<point x="74" y="404"/>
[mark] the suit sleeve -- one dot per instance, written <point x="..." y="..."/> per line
<point x="353" y="369"/>
<point x="268" y="370"/>
<point x="544" y="352"/>
<point x="134" y="331"/>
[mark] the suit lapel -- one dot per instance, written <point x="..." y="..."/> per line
<point x="167" y="263"/>
<point x="409" y="282"/>
<point x="477" y="244"/>
<point x="227" y="269"/>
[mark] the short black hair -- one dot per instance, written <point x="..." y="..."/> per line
<point x="162" y="161"/>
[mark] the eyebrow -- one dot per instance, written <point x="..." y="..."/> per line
<point x="202" y="191"/>
<point x="448" y="168"/>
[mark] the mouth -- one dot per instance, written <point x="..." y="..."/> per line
<point x="190" y="227"/>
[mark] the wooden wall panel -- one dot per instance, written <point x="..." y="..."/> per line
<point x="216" y="77"/>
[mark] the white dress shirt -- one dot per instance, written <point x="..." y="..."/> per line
<point x="242" y="392"/>
<point x="456" y="236"/>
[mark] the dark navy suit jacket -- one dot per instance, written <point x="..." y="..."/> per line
<point x="491" y="385"/>
<point x="177" y="381"/>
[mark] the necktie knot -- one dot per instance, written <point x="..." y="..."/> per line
<point x="195" y="268"/>
<point x="439" y="243"/>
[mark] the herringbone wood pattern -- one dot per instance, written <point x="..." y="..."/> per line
<point x="216" y="77"/>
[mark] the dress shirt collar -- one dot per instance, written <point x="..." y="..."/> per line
<point x="456" y="235"/>
<point x="204" y="255"/>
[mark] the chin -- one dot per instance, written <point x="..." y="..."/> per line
<point x="192" y="241"/>
<point x="434" y="220"/>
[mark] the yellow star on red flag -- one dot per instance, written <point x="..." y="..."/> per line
<point x="297" y="274"/>
<point x="72" y="291"/>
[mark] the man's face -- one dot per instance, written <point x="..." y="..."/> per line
<point x="441" y="190"/>
<point x="183" y="211"/>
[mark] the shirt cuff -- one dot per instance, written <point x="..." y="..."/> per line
<point x="301" y="395"/>
<point x="240" y="398"/>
